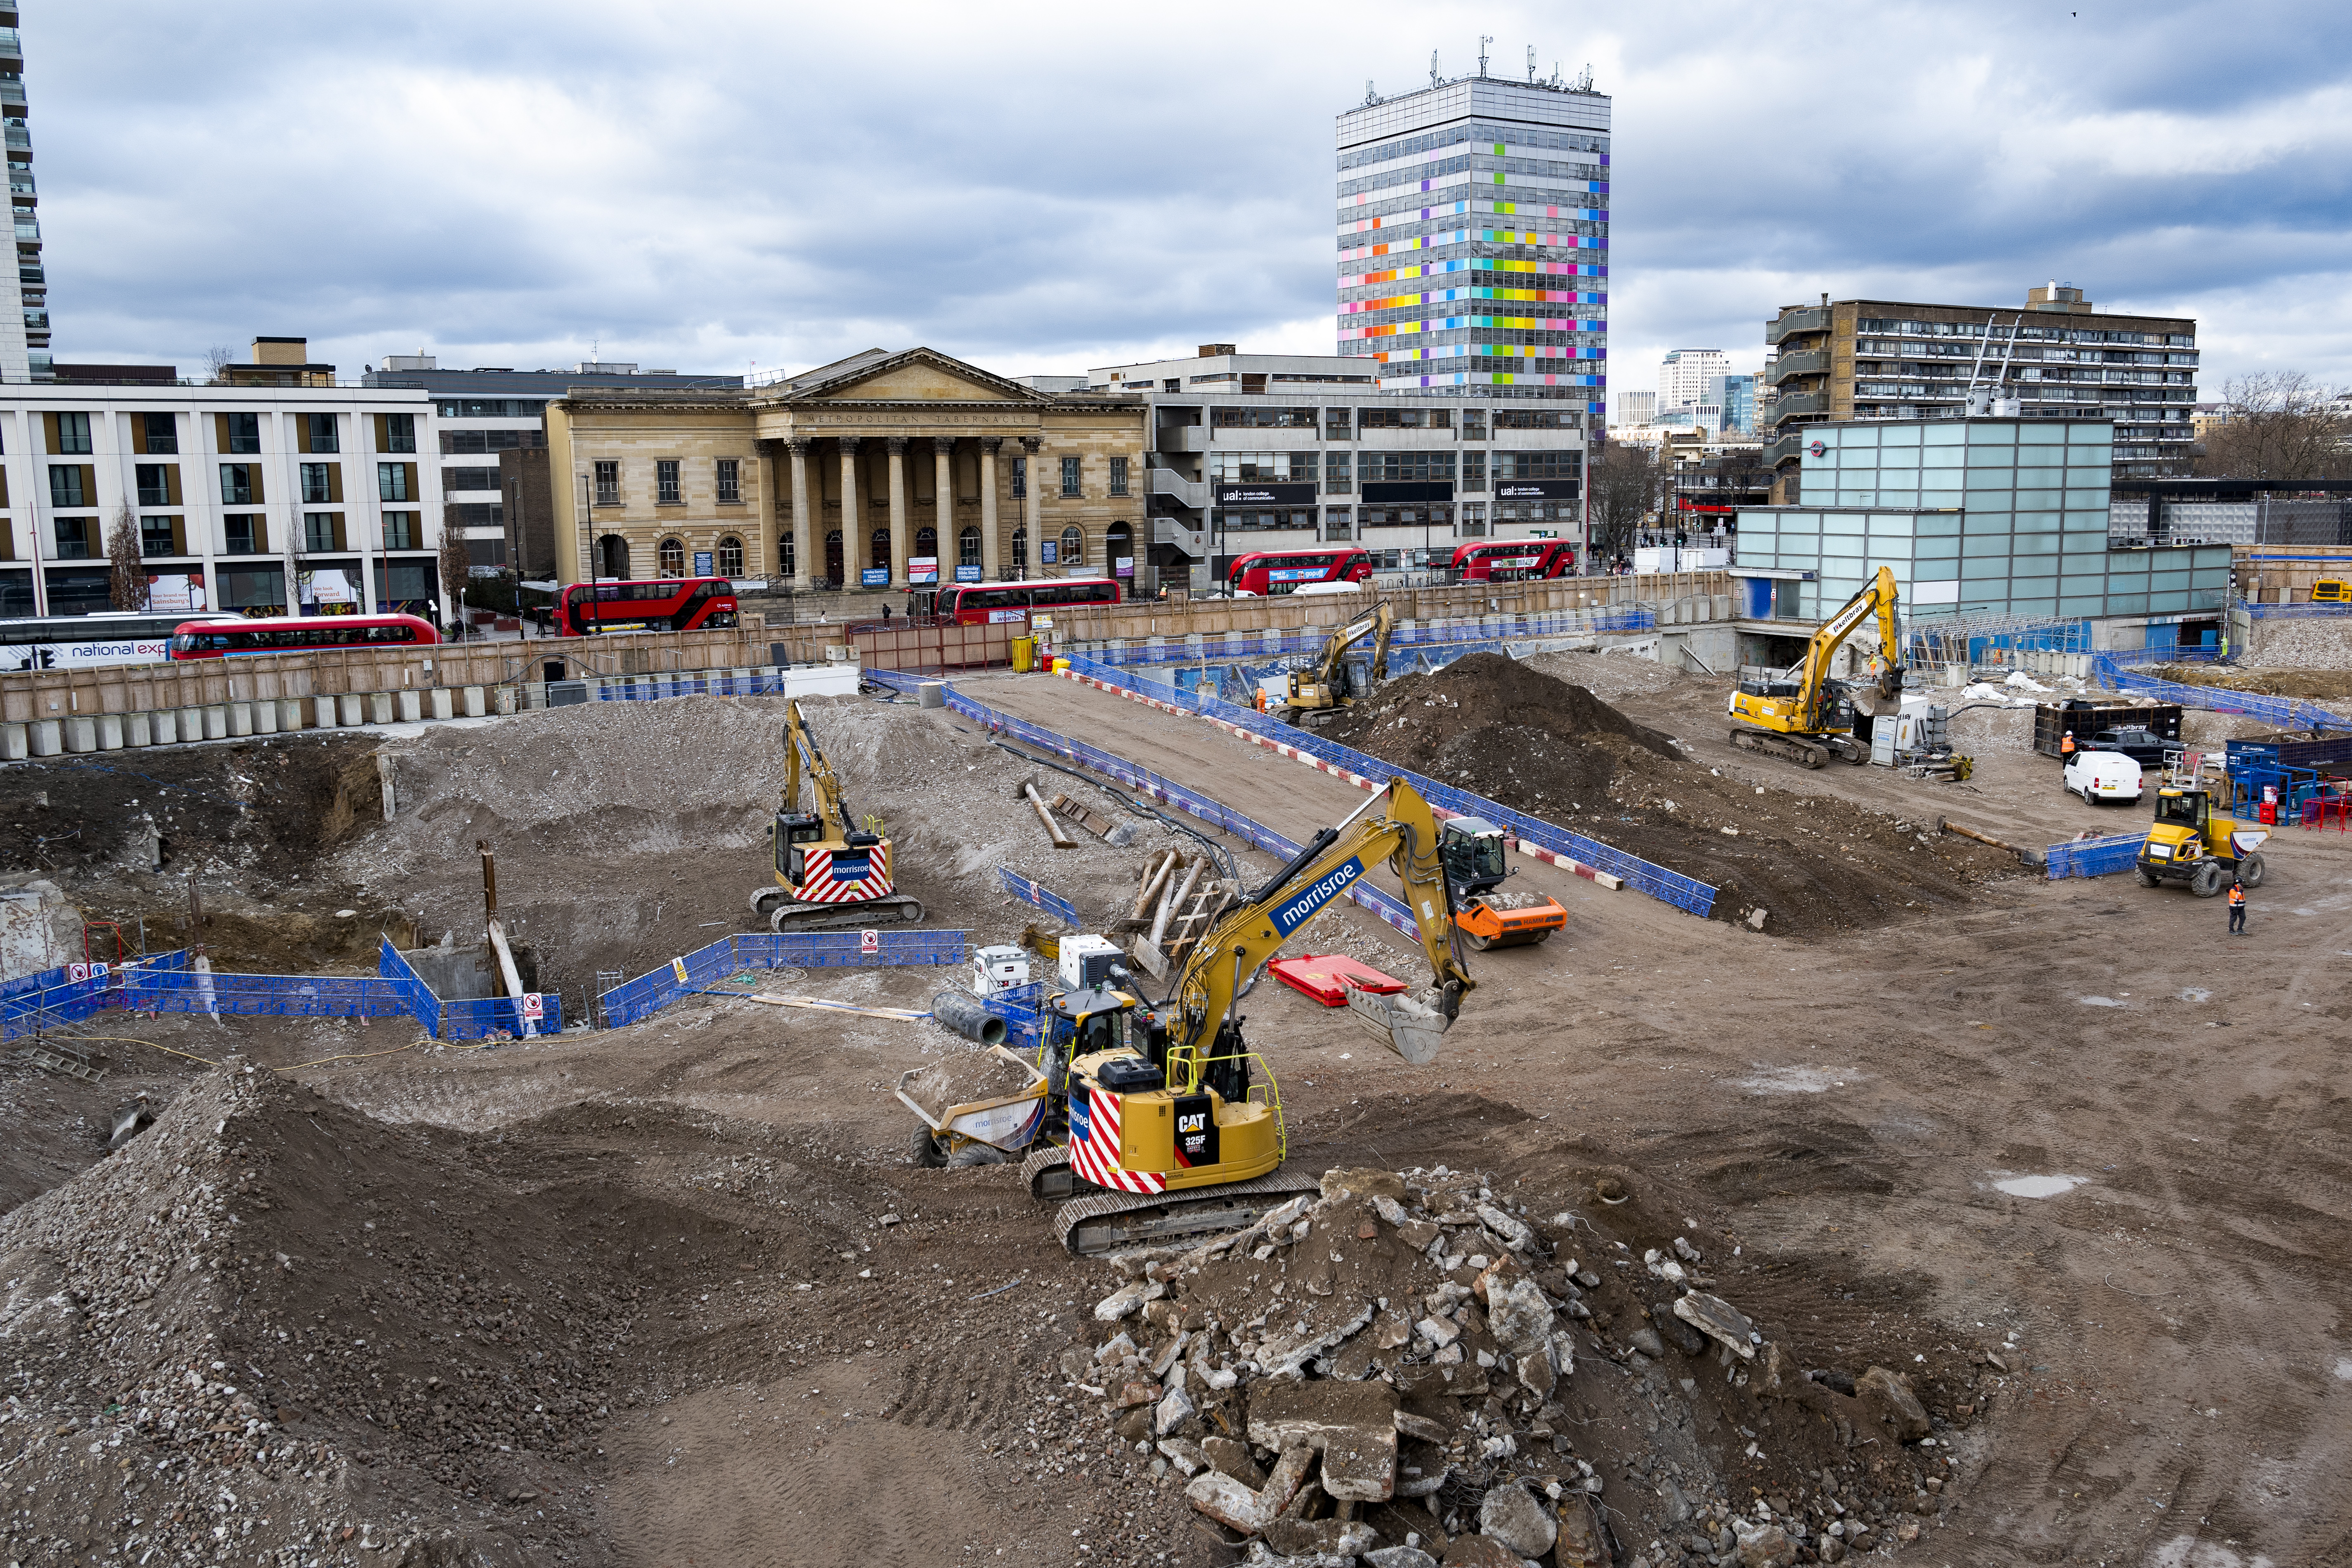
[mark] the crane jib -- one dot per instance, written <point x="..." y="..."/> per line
<point x="1295" y="912"/>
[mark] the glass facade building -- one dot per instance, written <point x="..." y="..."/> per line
<point x="1473" y="240"/>
<point x="1997" y="516"/>
<point x="25" y="331"/>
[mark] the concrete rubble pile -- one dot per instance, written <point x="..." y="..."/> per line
<point x="1380" y="1372"/>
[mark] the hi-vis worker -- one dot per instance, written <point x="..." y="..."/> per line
<point x="2065" y="748"/>
<point x="2237" y="907"/>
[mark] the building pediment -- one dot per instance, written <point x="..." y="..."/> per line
<point x="916" y="375"/>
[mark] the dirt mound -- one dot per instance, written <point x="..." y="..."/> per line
<point x="1551" y="750"/>
<point x="628" y="832"/>
<point x="1453" y="1363"/>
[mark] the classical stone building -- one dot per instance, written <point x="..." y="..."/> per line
<point x="879" y="463"/>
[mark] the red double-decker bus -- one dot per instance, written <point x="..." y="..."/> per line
<point x="1270" y="572"/>
<point x="673" y="605"/>
<point x="981" y="603"/>
<point x="296" y="633"/>
<point x="1513" y="559"/>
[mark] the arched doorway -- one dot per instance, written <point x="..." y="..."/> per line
<point x="880" y="556"/>
<point x="611" y="556"/>
<point x="927" y="545"/>
<point x="834" y="565"/>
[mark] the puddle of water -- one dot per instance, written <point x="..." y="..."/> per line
<point x="1796" y="1079"/>
<point x="2197" y="993"/>
<point x="2100" y="1002"/>
<point x="2039" y="1186"/>
<point x="2344" y="1369"/>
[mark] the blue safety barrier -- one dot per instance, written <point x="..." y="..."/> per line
<point x="1022" y="1008"/>
<point x="1032" y="892"/>
<point x="220" y="992"/>
<point x="2294" y="611"/>
<point x="2095" y="857"/>
<point x="697" y="683"/>
<point x="72" y="992"/>
<point x="423" y="1004"/>
<point x="632" y="1001"/>
<point x="2285" y="713"/>
<point x="1242" y="647"/>
<point x="1685" y="893"/>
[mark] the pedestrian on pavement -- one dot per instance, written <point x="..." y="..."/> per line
<point x="2237" y="907"/>
<point x="886" y="615"/>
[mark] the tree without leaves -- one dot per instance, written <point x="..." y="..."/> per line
<point x="2280" y="427"/>
<point x="126" y="583"/>
<point x="456" y="569"/>
<point x="1625" y="480"/>
<point x="217" y="359"/>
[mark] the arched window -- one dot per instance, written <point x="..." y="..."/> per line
<point x="927" y="545"/>
<point x="611" y="556"/>
<point x="787" y="556"/>
<point x="730" y="556"/>
<point x="881" y="557"/>
<point x="1073" y="548"/>
<point x="835" y="561"/>
<point x="670" y="559"/>
<point x="967" y="547"/>
<point x="1020" y="552"/>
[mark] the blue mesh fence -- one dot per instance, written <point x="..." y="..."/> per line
<point x="1670" y="886"/>
<point x="632" y="1001"/>
<point x="479" y="1018"/>
<point x="2095" y="857"/>
<point x="269" y="996"/>
<point x="2285" y="713"/>
<point x="2294" y="611"/>
<point x="698" y="683"/>
<point x="423" y="1004"/>
<point x="1031" y="892"/>
<point x="72" y="992"/>
<point x="1244" y="647"/>
<point x="1020" y="1008"/>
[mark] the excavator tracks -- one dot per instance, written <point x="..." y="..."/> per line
<point x="846" y="917"/>
<point x="1787" y="747"/>
<point x="1108" y="1222"/>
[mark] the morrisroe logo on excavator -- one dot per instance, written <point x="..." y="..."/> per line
<point x="1301" y="910"/>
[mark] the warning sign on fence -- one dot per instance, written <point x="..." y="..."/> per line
<point x="678" y="967"/>
<point x="85" y="972"/>
<point x="534" y="1006"/>
<point x="869" y="942"/>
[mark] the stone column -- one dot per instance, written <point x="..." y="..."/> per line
<point x="803" y="534"/>
<point x="992" y="564"/>
<point x="1033" y="511"/>
<point x="897" y="510"/>
<point x="854" y="548"/>
<point x="944" y="488"/>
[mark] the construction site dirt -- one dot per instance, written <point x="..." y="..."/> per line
<point x="687" y="1299"/>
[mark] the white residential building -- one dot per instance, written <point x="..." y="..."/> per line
<point x="272" y="499"/>
<point x="1683" y="376"/>
<point x="25" y="331"/>
<point x="1633" y="407"/>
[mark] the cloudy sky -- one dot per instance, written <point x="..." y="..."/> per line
<point x="1047" y="188"/>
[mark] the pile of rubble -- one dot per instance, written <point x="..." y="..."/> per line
<point x="1390" y="1372"/>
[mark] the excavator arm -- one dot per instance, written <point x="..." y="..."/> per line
<point x="1377" y="622"/>
<point x="1878" y="598"/>
<point x="1407" y="838"/>
<point x="801" y="751"/>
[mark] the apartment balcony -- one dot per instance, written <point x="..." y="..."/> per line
<point x="1192" y="493"/>
<point x="20" y="137"/>
<point x="1812" y="319"/>
<point x="11" y="93"/>
<point x="1787" y="367"/>
<point x="12" y="44"/>
<point x="1792" y="404"/>
<point x="1781" y="448"/>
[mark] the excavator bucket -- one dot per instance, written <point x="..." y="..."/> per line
<point x="1412" y="1029"/>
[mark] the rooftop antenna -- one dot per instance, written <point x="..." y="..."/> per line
<point x="1532" y="62"/>
<point x="1433" y="68"/>
<point x="1484" y="39"/>
<point x="1584" y="82"/>
<point x="1370" y="98"/>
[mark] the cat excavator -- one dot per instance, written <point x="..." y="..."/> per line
<point x="1333" y="684"/>
<point x="1158" y="1126"/>
<point x="1811" y="719"/>
<point x="831" y="872"/>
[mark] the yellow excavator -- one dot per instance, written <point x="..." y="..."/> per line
<point x="831" y="872"/>
<point x="1333" y="684"/>
<point x="1158" y="1126"/>
<point x="1809" y="720"/>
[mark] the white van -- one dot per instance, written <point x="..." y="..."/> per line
<point x="2099" y="776"/>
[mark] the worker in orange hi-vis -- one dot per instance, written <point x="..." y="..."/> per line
<point x="2237" y="907"/>
<point x="2065" y="749"/>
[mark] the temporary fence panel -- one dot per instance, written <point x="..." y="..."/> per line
<point x="422" y="1003"/>
<point x="1032" y="892"/>
<point x="72" y="992"/>
<point x="1670" y="886"/>
<point x="269" y="996"/>
<point x="632" y="1001"/>
<point x="2285" y="713"/>
<point x="1493" y="631"/>
<point x="2095" y="857"/>
<point x="479" y="1017"/>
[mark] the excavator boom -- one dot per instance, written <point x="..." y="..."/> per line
<point x="1318" y="691"/>
<point x="1796" y="719"/>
